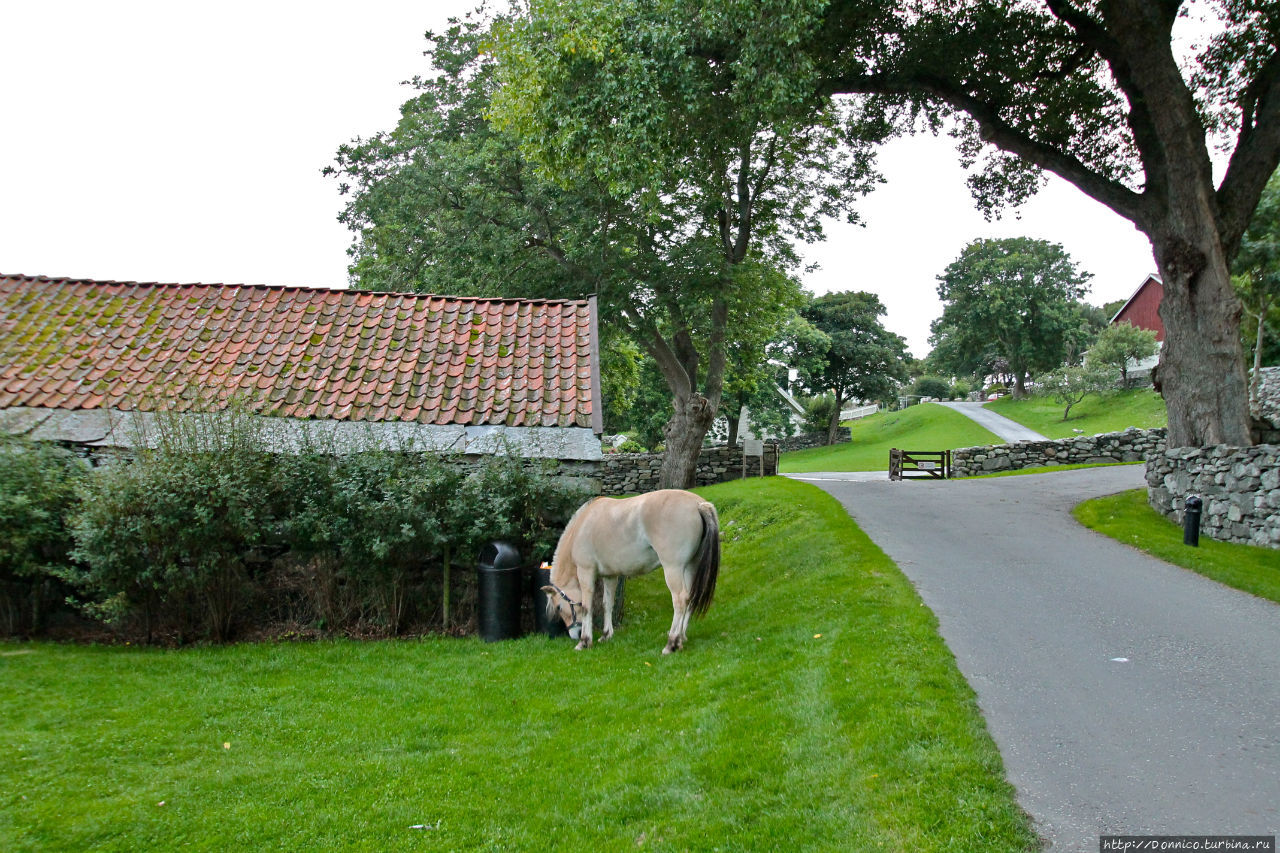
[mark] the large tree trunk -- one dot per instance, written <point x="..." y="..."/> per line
<point x="1202" y="375"/>
<point x="684" y="433"/>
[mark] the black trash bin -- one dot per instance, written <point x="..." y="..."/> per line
<point x="499" y="592"/>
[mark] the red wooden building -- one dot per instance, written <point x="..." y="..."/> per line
<point x="1143" y="308"/>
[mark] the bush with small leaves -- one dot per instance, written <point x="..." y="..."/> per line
<point x="37" y="495"/>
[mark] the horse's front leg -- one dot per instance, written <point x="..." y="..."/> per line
<point x="587" y="584"/>
<point x="610" y="592"/>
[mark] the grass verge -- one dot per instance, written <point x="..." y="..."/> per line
<point x="815" y="708"/>
<point x="1128" y="518"/>
<point x="1142" y="408"/>
<point x="924" y="427"/>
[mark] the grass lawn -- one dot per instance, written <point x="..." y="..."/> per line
<point x="814" y="708"/>
<point x="1128" y="518"/>
<point x="927" y="426"/>
<point x="1138" y="407"/>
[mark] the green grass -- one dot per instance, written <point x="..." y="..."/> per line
<point x="1142" y="408"/>
<point x="1128" y="518"/>
<point x="814" y="708"/>
<point x="924" y="427"/>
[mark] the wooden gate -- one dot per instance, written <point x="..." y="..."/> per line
<point x="919" y="464"/>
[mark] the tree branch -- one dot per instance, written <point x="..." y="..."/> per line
<point x="1255" y="158"/>
<point x="993" y="129"/>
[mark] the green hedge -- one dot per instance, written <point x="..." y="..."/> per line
<point x="213" y="534"/>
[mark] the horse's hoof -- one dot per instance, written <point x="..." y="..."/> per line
<point x="666" y="650"/>
<point x="606" y="637"/>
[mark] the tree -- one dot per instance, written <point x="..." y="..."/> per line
<point x="716" y="179"/>
<point x="1121" y="343"/>
<point x="1257" y="269"/>
<point x="1014" y="298"/>
<point x="686" y="268"/>
<point x="863" y="360"/>
<point x="1095" y="92"/>
<point x="1070" y="384"/>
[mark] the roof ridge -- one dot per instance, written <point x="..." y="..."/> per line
<point x="280" y="287"/>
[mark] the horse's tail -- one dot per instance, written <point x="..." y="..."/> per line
<point x="704" y="577"/>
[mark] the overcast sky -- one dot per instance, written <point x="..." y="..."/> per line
<point x="178" y="142"/>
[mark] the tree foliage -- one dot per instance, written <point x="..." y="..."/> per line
<point x="1103" y="95"/>
<point x="862" y="360"/>
<point x="1122" y="343"/>
<point x="1257" y="275"/>
<point x="719" y="172"/>
<point x="1016" y="299"/>
<point x="1070" y="384"/>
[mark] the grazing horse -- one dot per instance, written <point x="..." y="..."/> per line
<point x="611" y="538"/>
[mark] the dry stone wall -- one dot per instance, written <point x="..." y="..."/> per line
<point x="1240" y="488"/>
<point x="806" y="440"/>
<point x="1132" y="445"/>
<point x="636" y="473"/>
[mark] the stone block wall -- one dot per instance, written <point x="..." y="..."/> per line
<point x="806" y="440"/>
<point x="636" y="473"/>
<point x="1240" y="487"/>
<point x="1132" y="445"/>
<point x="1267" y="427"/>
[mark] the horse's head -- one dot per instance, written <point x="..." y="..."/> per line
<point x="565" y="608"/>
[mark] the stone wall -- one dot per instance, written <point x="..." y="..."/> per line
<point x="1267" y="426"/>
<point x="636" y="473"/>
<point x="1240" y="487"/>
<point x="1132" y="445"/>
<point x="806" y="440"/>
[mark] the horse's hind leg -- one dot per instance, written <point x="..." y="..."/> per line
<point x="680" y="607"/>
<point x="610" y="591"/>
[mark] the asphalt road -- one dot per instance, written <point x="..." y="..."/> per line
<point x="1127" y="696"/>
<point x="1007" y="429"/>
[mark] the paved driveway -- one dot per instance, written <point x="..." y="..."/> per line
<point x="1007" y="429"/>
<point x="1127" y="696"/>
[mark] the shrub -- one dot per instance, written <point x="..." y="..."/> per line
<point x="37" y="494"/>
<point x="180" y="531"/>
<point x="214" y="519"/>
<point x="931" y="386"/>
<point x="960" y="390"/>
<point x="818" y="411"/>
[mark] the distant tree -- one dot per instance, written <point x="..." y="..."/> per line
<point x="1121" y="343"/>
<point x="863" y="360"/>
<point x="1070" y="384"/>
<point x="931" y="386"/>
<point x="1014" y="298"/>
<point x="1257" y="273"/>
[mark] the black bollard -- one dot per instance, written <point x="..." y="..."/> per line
<point x="1191" y="521"/>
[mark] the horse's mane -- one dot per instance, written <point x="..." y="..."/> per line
<point x="566" y="542"/>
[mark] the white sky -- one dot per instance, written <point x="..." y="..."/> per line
<point x="176" y="142"/>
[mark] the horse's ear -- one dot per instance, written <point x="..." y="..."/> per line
<point x="549" y="590"/>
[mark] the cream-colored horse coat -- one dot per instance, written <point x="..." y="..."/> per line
<point x="610" y="538"/>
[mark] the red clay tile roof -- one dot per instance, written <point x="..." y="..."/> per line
<point x="298" y="352"/>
